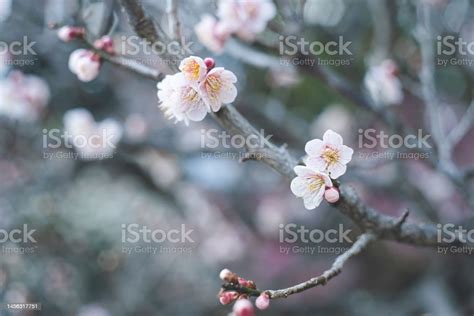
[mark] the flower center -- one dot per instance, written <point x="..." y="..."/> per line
<point x="193" y="69"/>
<point x="191" y="96"/>
<point x="315" y="183"/>
<point x="330" y="155"/>
<point x="213" y="86"/>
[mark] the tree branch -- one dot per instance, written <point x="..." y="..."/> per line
<point x="362" y="242"/>
<point x="173" y="20"/>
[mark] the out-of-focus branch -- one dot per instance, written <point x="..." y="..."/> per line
<point x="423" y="33"/>
<point x="463" y="127"/>
<point x="140" y="22"/>
<point x="132" y="65"/>
<point x="145" y="27"/>
<point x="173" y="20"/>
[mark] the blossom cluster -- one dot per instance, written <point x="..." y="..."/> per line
<point x="23" y="97"/>
<point x="196" y="90"/>
<point x="383" y="84"/>
<point x="242" y="306"/>
<point x="85" y="63"/>
<point x="244" y="18"/>
<point x="327" y="160"/>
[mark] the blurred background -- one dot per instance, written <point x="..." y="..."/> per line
<point x="162" y="175"/>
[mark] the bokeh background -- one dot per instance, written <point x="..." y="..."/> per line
<point x="162" y="177"/>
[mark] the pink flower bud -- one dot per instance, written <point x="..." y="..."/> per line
<point x="331" y="195"/>
<point x="225" y="274"/>
<point x="85" y="64"/>
<point x="263" y="301"/>
<point x="210" y="63"/>
<point x="244" y="282"/>
<point x="105" y="44"/>
<point x="68" y="33"/>
<point x="243" y="307"/>
<point x="228" y="297"/>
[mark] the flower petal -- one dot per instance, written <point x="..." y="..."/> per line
<point x="311" y="201"/>
<point x="336" y="170"/>
<point x="197" y="113"/>
<point x="303" y="171"/>
<point x="346" y="154"/>
<point x="316" y="163"/>
<point x="298" y="186"/>
<point x="332" y="138"/>
<point x="314" y="147"/>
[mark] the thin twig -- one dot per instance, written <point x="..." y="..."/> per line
<point x="362" y="242"/>
<point x="464" y="125"/>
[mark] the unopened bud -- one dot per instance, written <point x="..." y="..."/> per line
<point x="263" y="301"/>
<point x="331" y="195"/>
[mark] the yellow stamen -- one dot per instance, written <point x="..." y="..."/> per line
<point x="213" y="86"/>
<point x="330" y="155"/>
<point x="192" y="68"/>
<point x="315" y="183"/>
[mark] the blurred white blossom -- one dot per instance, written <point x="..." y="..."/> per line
<point x="212" y="33"/>
<point x="246" y="18"/>
<point x="23" y="97"/>
<point x="85" y="64"/>
<point x="90" y="139"/>
<point x="383" y="84"/>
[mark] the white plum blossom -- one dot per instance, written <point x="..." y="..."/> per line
<point x="218" y="88"/>
<point x="329" y="154"/>
<point x="91" y="139"/>
<point x="180" y="100"/>
<point x="23" y="97"/>
<point x="212" y="33"/>
<point x="383" y="84"/>
<point x="193" y="68"/>
<point x="85" y="64"/>
<point x="246" y="18"/>
<point x="310" y="185"/>
<point x="195" y="91"/>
